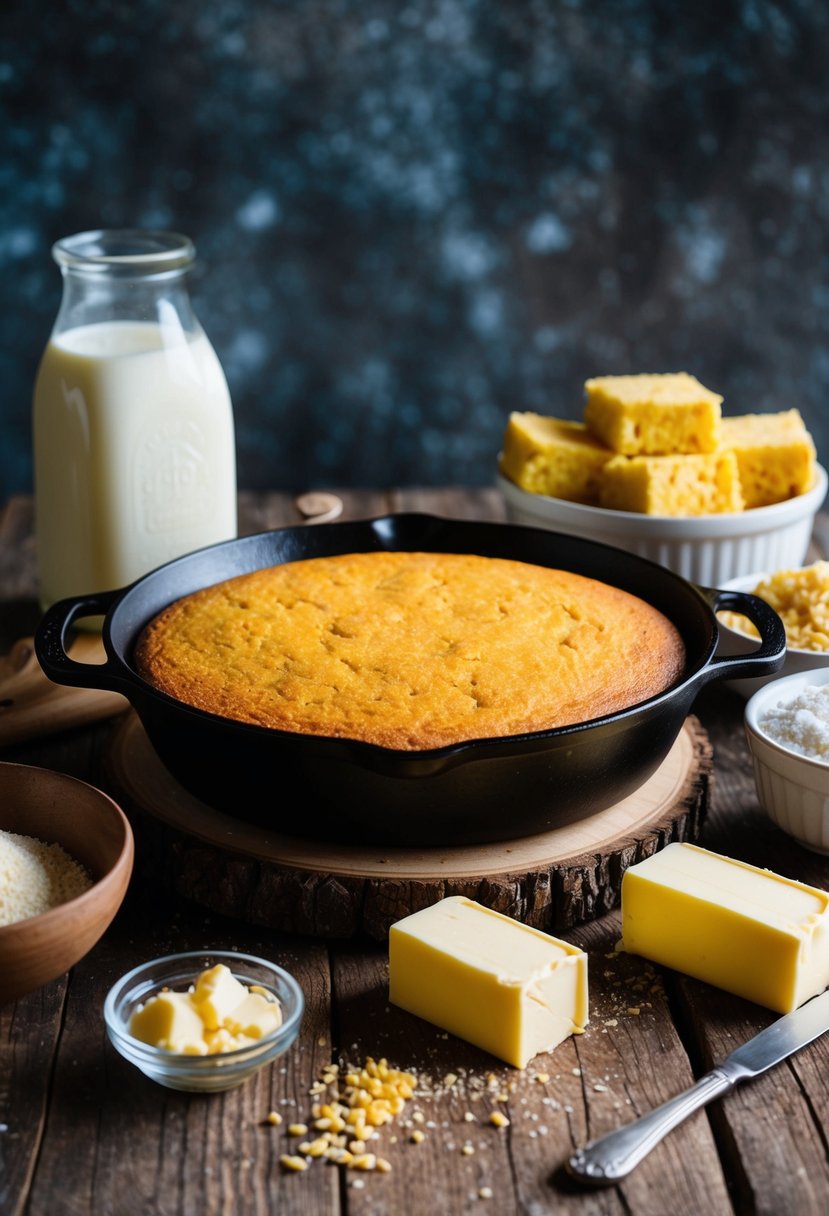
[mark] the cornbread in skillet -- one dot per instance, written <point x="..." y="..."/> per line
<point x="410" y="650"/>
<point x="550" y="456"/>
<point x="644" y="415"/>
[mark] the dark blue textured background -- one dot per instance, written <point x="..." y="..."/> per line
<point x="413" y="218"/>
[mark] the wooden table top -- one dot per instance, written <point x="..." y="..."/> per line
<point x="82" y="1131"/>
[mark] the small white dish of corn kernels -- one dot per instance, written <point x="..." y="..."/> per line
<point x="800" y="597"/>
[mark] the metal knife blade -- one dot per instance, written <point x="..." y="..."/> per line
<point x="612" y="1157"/>
<point x="783" y="1038"/>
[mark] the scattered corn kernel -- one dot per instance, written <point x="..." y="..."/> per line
<point x="468" y="1150"/>
<point x="366" y="1099"/>
<point x="498" y="1119"/>
<point x="319" y="1147"/>
<point x="274" y="1118"/>
<point x="485" y="1192"/>
<point x="364" y="1161"/>
<point x="289" y="1162"/>
<point x="340" y="1156"/>
<point x="417" y="1136"/>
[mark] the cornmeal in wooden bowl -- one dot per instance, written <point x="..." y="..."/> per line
<point x="410" y="650"/>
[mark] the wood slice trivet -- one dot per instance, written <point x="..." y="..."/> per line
<point x="553" y="880"/>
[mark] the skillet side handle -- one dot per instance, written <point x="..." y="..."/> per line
<point x="770" y="654"/>
<point x="51" y="650"/>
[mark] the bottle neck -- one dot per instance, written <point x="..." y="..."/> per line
<point x="126" y="275"/>
<point x="95" y="299"/>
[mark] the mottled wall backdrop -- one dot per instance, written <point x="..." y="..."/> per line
<point x="413" y="218"/>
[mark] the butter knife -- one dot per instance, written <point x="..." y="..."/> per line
<point x="607" y="1160"/>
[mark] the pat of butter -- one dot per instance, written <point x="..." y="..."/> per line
<point x="215" y="994"/>
<point x="510" y="989"/>
<point x="169" y="1021"/>
<point x="217" y="1014"/>
<point x="255" y="1016"/>
<point x="744" y="929"/>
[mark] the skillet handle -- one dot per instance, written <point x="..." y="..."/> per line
<point x="50" y="643"/>
<point x="770" y="654"/>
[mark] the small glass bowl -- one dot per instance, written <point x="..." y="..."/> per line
<point x="201" y="1074"/>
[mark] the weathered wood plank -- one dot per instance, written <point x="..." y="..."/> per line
<point x="631" y="1059"/>
<point x="29" y="1034"/>
<point x="19" y="611"/>
<point x="118" y="1142"/>
<point x="625" y="1063"/>
<point x="17" y="547"/>
<point x="434" y="1176"/>
<point x="772" y="1130"/>
<point x="479" y="503"/>
<point x="263" y="511"/>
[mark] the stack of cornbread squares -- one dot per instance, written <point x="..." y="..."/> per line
<point x="659" y="444"/>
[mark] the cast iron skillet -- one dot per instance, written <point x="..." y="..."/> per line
<point x="483" y="790"/>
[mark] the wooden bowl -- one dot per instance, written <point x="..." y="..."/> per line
<point x="95" y="832"/>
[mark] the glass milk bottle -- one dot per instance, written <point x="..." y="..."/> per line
<point x="134" y="450"/>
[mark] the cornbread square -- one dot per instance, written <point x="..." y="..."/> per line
<point x="672" y="485"/>
<point x="775" y="455"/>
<point x="548" y="456"/>
<point x="653" y="415"/>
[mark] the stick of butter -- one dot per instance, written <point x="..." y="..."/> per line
<point x="510" y="989"/>
<point x="734" y="925"/>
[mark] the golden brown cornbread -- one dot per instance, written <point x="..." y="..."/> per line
<point x="653" y="415"/>
<point x="410" y="650"/>
<point x="672" y="485"/>
<point x="775" y="455"/>
<point x="550" y="456"/>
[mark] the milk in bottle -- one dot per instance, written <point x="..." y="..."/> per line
<point x="134" y="444"/>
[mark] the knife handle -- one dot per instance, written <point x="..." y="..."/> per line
<point x="612" y="1157"/>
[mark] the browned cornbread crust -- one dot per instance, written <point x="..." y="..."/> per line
<point x="410" y="650"/>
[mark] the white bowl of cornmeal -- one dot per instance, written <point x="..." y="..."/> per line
<point x="787" y="728"/>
